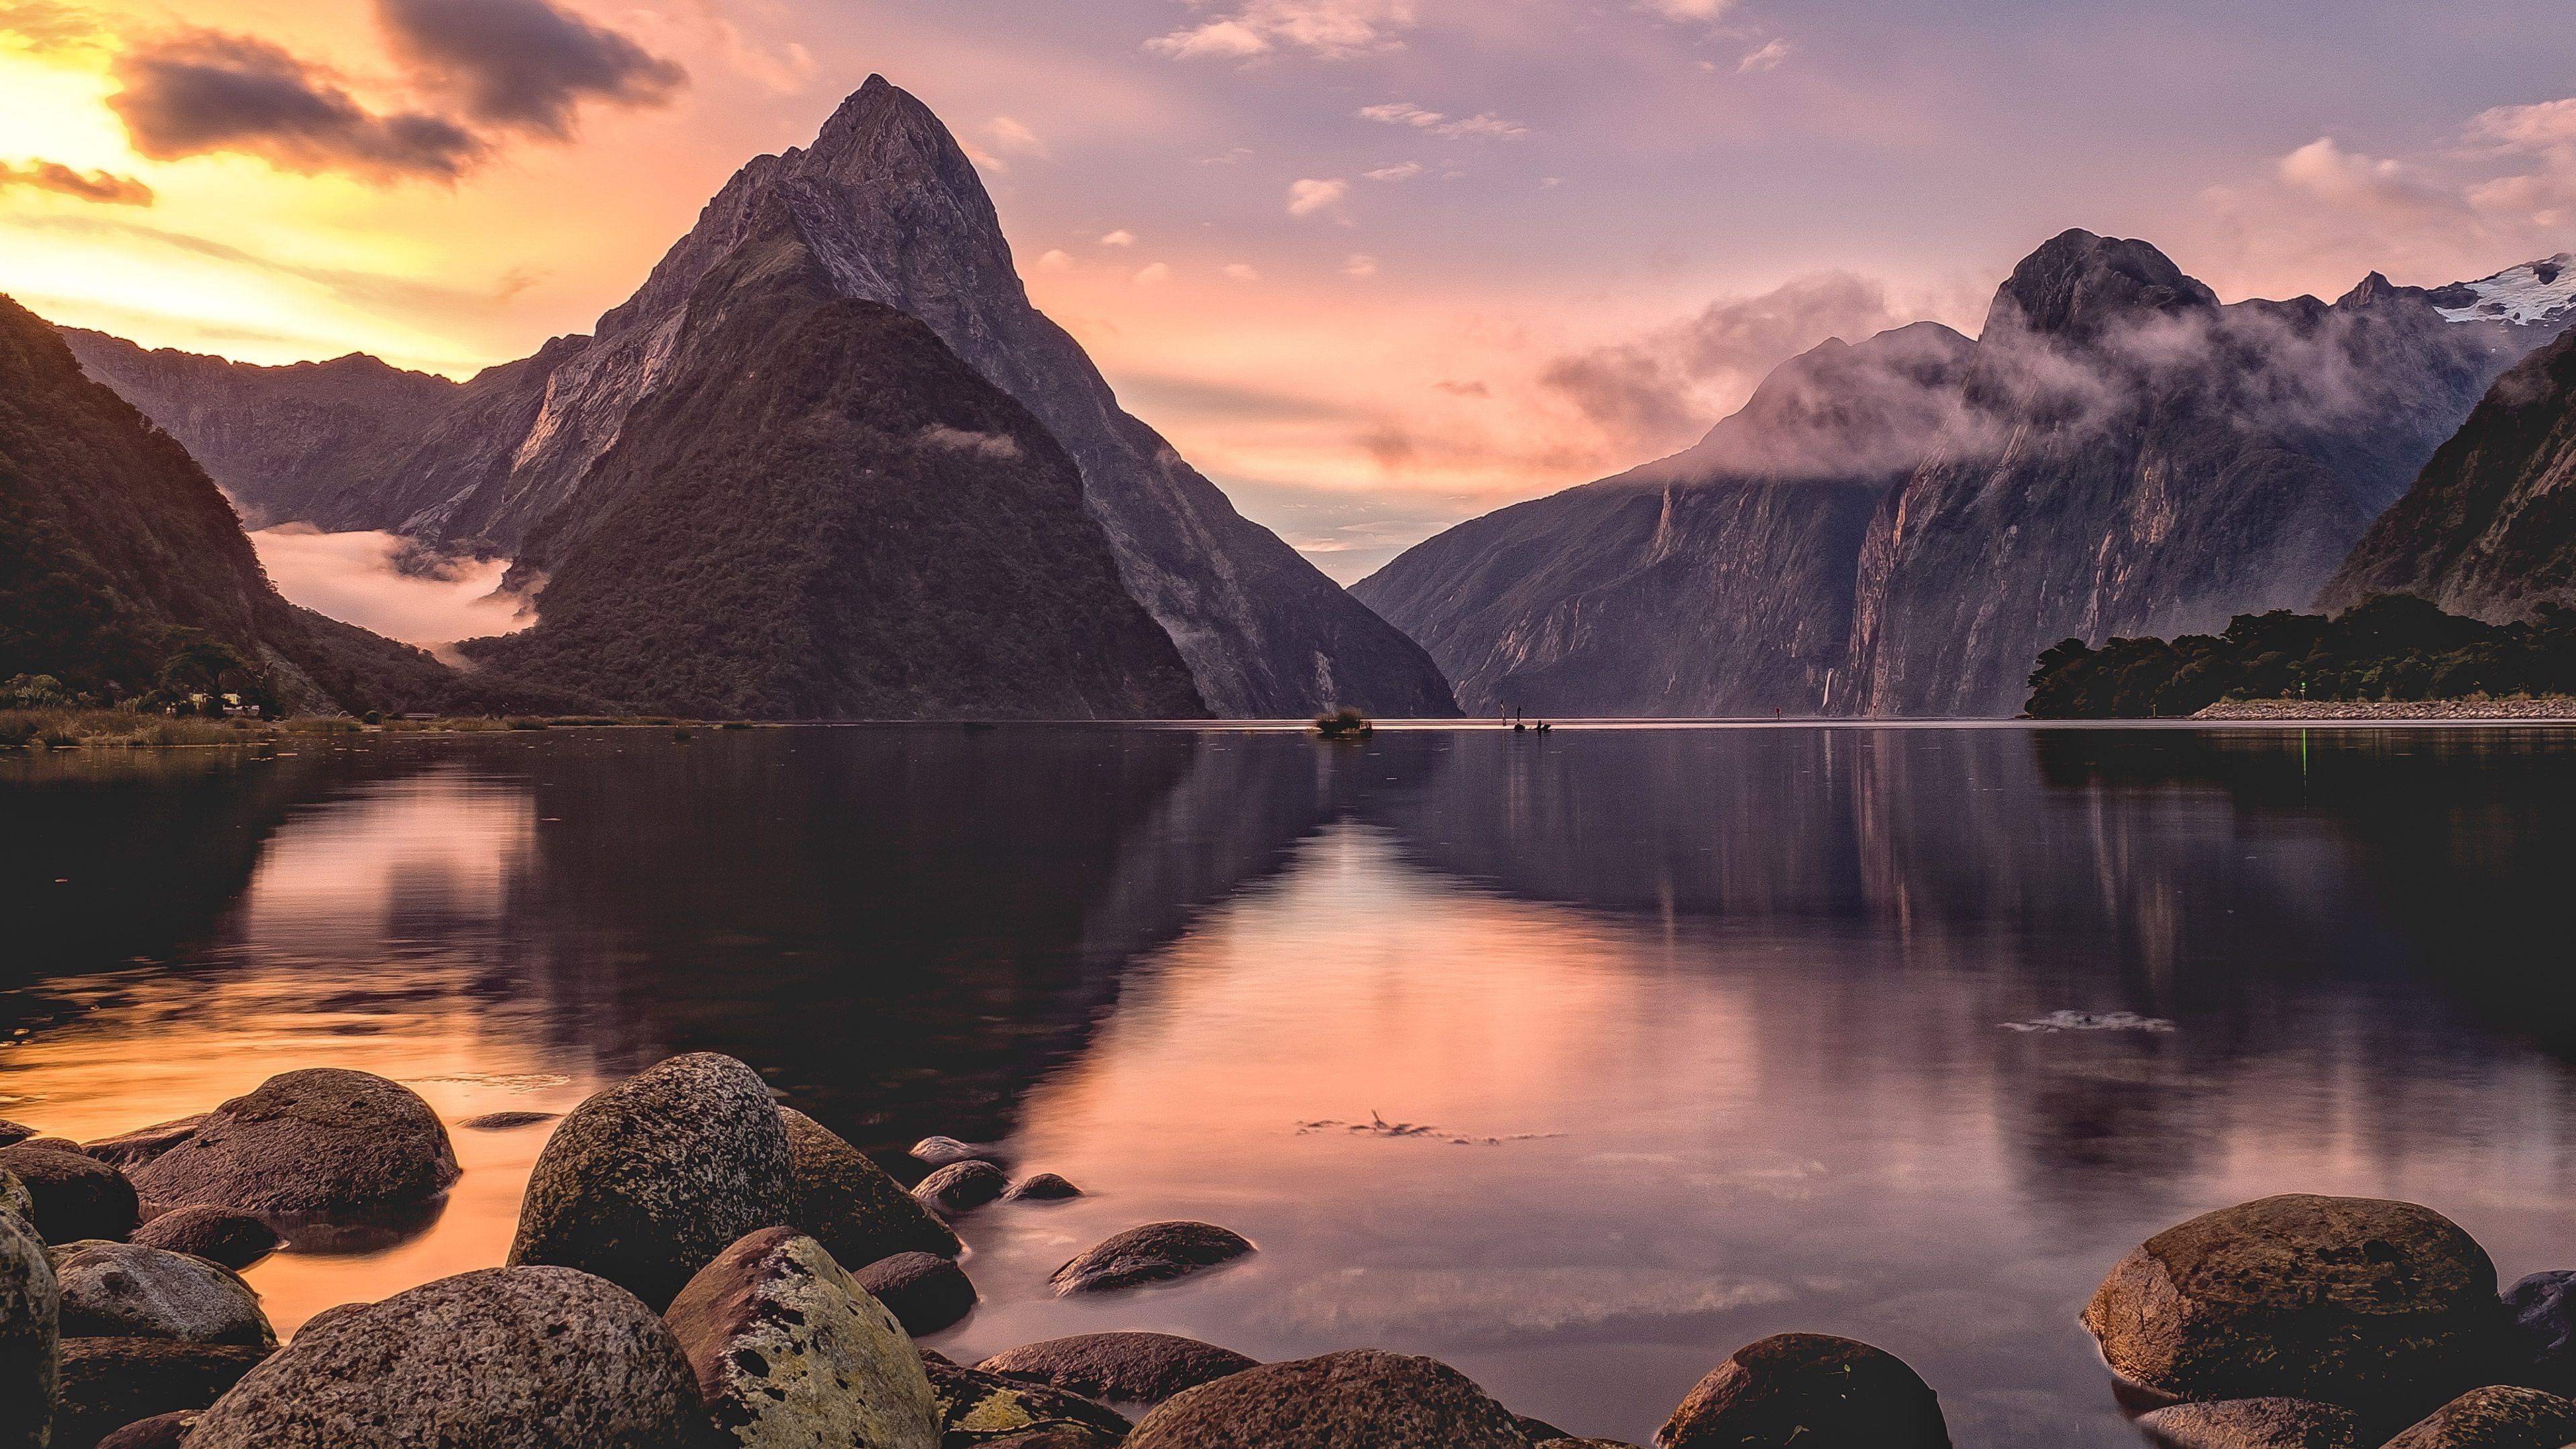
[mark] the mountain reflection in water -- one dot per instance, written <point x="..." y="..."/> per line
<point x="1713" y="1030"/>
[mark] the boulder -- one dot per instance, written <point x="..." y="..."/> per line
<point x="980" y="1408"/>
<point x="124" y="1290"/>
<point x="1150" y="1254"/>
<point x="75" y="1196"/>
<point x="1126" y="1368"/>
<point x="2383" y="1307"/>
<point x="506" y="1121"/>
<point x="941" y="1151"/>
<point x="234" y="1239"/>
<point x="646" y="1182"/>
<point x="853" y="1207"/>
<point x="2495" y="1417"/>
<point x="1538" y="1431"/>
<point x="54" y="1144"/>
<point x="330" y="1315"/>
<point x="322" y="1141"/>
<point x="161" y="1431"/>
<point x="13" y="1133"/>
<point x="1810" y="1389"/>
<point x="499" y="1358"/>
<point x="132" y="1149"/>
<point x="1041" y="1187"/>
<point x="2255" y="1424"/>
<point x="1362" y="1397"/>
<point x="788" y="1351"/>
<point x="924" y="1291"/>
<point x="2543" y="1322"/>
<point x="1581" y="1444"/>
<point x="108" y="1383"/>
<point x="15" y="1200"/>
<point x="1044" y="1436"/>
<point x="30" y="1308"/>
<point x="961" y="1187"/>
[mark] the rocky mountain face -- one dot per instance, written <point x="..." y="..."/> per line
<point x="2489" y="529"/>
<point x="2118" y="453"/>
<point x="111" y="535"/>
<point x="820" y="511"/>
<point x="893" y="213"/>
<point x="1717" y="581"/>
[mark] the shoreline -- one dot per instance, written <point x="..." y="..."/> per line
<point x="2553" y="710"/>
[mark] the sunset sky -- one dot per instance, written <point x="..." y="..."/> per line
<point x="1373" y="265"/>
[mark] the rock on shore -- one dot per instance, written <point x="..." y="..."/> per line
<point x="323" y="1140"/>
<point x="75" y="1196"/>
<point x="2255" y="1424"/>
<point x="1363" y="1397"/>
<point x="1808" y="1391"/>
<point x="853" y="1207"/>
<point x="501" y="1358"/>
<point x="1126" y="1368"/>
<point x="925" y="1292"/>
<point x="646" y="1182"/>
<point x="1153" y="1253"/>
<point x="125" y="1290"/>
<point x="790" y="1353"/>
<point x="222" y="1235"/>
<point x="30" y="1309"/>
<point x="108" y="1383"/>
<point x="2496" y="1417"/>
<point x="987" y="1409"/>
<point x="961" y="1187"/>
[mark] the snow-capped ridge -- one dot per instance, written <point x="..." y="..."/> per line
<point x="2535" y="292"/>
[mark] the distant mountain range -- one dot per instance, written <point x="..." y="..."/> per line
<point x="535" y="460"/>
<point x="2117" y="453"/>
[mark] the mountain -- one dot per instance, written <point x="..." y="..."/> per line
<point x="1717" y="581"/>
<point x="2118" y="453"/>
<point x="111" y="537"/>
<point x="2489" y="529"/>
<point x="893" y="213"/>
<point x="820" y="511"/>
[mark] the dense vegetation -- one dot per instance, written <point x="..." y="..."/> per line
<point x="2388" y="647"/>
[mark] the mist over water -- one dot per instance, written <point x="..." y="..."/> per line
<point x="1576" y="1060"/>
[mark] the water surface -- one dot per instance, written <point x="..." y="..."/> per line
<point x="1576" y="1060"/>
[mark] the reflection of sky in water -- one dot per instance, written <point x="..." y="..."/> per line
<point x="1721" y="1016"/>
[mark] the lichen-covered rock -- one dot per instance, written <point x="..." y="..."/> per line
<point x="1044" y="1436"/>
<point x="108" y="1383"/>
<point x="646" y="1182"/>
<point x="1125" y="1368"/>
<point x="30" y="1308"/>
<point x="1150" y="1254"/>
<point x="499" y="1358"/>
<point x="853" y="1207"/>
<point x="2496" y="1417"/>
<point x="224" y="1235"/>
<point x="161" y="1431"/>
<point x="2543" y="1308"/>
<point x="132" y="1149"/>
<point x="978" y="1408"/>
<point x="322" y="1140"/>
<point x="2383" y="1307"/>
<point x="1810" y="1390"/>
<point x="1042" y="1187"/>
<point x="124" y="1290"/>
<point x="15" y="1200"/>
<point x="791" y="1354"/>
<point x="2255" y="1424"/>
<point x="961" y="1187"/>
<point x="75" y="1196"/>
<point x="924" y="1291"/>
<point x="1363" y="1397"/>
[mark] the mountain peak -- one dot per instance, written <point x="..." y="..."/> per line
<point x="2077" y="283"/>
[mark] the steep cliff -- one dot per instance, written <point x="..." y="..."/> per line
<point x="2489" y="529"/>
<point x="821" y="512"/>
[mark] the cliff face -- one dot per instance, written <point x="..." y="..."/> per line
<point x="2489" y="529"/>
<point x="893" y="213"/>
<point x="821" y="512"/>
<point x="110" y="535"/>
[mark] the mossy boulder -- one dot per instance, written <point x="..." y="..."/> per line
<point x="853" y="1207"/>
<point x="30" y="1312"/>
<point x="977" y="1408"/>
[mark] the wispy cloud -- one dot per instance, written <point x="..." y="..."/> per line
<point x="104" y="187"/>
<point x="1704" y="10"/>
<point x="1154" y="275"/>
<point x="1119" y="238"/>
<point x="1012" y="138"/>
<point x="1308" y="196"/>
<point x="1401" y="171"/>
<point x="1360" y="267"/>
<point x="1332" y="29"/>
<point x="1483" y="126"/>
<point x="1768" y="57"/>
<point x="1242" y="271"/>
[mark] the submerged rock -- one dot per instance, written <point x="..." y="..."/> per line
<point x="108" y="1383"/>
<point x="133" y="1148"/>
<point x="75" y="1196"/>
<point x="161" y="1431"/>
<point x="960" y="1187"/>
<point x="234" y="1239"/>
<point x="2495" y="1417"/>
<point x="789" y="1351"/>
<point x="924" y="1291"/>
<point x="2383" y="1307"/>
<point x="980" y="1408"/>
<point x="1363" y="1397"/>
<point x="321" y="1140"/>
<point x="941" y="1151"/>
<point x="1127" y="1368"/>
<point x="1810" y="1390"/>
<point x="30" y="1308"/>
<point x="646" y="1182"/>
<point x="1042" y="1187"/>
<point x="1153" y="1253"/>
<point x="853" y="1207"/>
<point x="2542" y="1320"/>
<point x="2255" y="1424"/>
<point x="124" y="1290"/>
<point x="506" y="1121"/>
<point x="499" y="1358"/>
